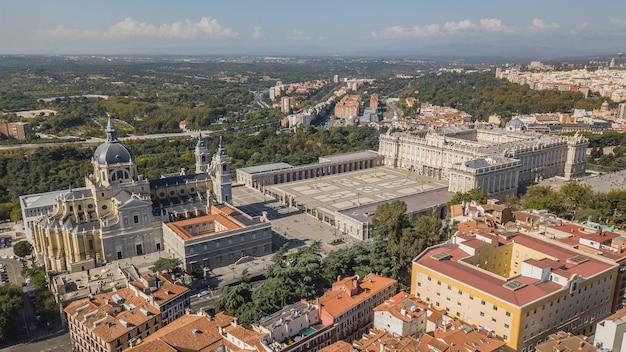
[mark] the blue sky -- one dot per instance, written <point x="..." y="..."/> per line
<point x="314" y="27"/>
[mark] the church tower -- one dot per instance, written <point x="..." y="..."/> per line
<point x="202" y="155"/>
<point x="222" y="187"/>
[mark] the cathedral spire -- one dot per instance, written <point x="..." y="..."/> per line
<point x="220" y="148"/>
<point x="111" y="133"/>
<point x="200" y="141"/>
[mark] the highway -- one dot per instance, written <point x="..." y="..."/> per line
<point x="97" y="141"/>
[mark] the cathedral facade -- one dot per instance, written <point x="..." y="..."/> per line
<point x="119" y="214"/>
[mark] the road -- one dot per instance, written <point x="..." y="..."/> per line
<point x="59" y="343"/>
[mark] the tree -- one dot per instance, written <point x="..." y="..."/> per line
<point x="37" y="275"/>
<point x="471" y="195"/>
<point x="23" y="249"/>
<point x="166" y="264"/>
<point x="10" y="304"/>
<point x="575" y="197"/>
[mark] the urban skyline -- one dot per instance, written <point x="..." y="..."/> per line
<point x="321" y="27"/>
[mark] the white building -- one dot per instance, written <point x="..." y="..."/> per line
<point x="494" y="161"/>
<point x="610" y="332"/>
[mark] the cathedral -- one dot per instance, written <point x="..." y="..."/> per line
<point x="120" y="214"/>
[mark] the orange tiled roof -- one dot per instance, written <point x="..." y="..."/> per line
<point x="339" y="346"/>
<point x="336" y="302"/>
<point x="400" y="303"/>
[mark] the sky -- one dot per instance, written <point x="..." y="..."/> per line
<point x="314" y="27"/>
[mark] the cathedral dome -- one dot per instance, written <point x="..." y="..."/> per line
<point x="112" y="151"/>
<point x="515" y="124"/>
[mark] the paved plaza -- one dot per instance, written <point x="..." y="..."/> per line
<point x="347" y="190"/>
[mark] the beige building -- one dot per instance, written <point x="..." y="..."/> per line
<point x="494" y="161"/>
<point x="119" y="213"/>
<point x="348" y="107"/>
<point x="562" y="342"/>
<point x="519" y="288"/>
<point x="218" y="239"/>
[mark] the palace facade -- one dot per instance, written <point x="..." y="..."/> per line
<point x="493" y="161"/>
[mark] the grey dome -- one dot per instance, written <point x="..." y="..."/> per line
<point x="112" y="151"/>
<point x="515" y="123"/>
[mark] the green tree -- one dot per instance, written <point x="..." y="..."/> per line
<point x="471" y="195"/>
<point x="543" y="197"/>
<point x="10" y="304"/>
<point x="575" y="197"/>
<point x="23" y="249"/>
<point x="37" y="276"/>
<point x="166" y="264"/>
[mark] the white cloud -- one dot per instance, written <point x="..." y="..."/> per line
<point x="618" y="21"/>
<point x="205" y="28"/>
<point x="62" y="32"/>
<point x="298" y="35"/>
<point x="257" y="33"/>
<point x="493" y="25"/>
<point x="540" y="25"/>
<point x="449" y="28"/>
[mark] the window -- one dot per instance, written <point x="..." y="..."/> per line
<point x="438" y="282"/>
<point x="482" y="302"/>
<point x="505" y="338"/>
<point x="508" y="314"/>
<point x="495" y="308"/>
<point x="429" y="278"/>
<point x="135" y="219"/>
<point x="482" y="314"/>
<point x="506" y="326"/>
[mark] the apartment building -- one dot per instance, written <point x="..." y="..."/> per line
<point x="348" y="107"/>
<point x="515" y="286"/>
<point x="402" y="315"/>
<point x="118" y="320"/>
<point x="17" y="130"/>
<point x="610" y="332"/>
<point x="295" y="328"/>
<point x="198" y="332"/>
<point x="349" y="305"/>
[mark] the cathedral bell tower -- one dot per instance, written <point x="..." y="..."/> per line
<point x="222" y="187"/>
<point x="202" y="155"/>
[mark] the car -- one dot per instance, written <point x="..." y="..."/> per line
<point x="5" y="257"/>
<point x="203" y="293"/>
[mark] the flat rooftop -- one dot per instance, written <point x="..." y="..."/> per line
<point x="265" y="168"/>
<point x="414" y="204"/>
<point x="349" y="156"/>
<point x="360" y="188"/>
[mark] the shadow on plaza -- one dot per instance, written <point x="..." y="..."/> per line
<point x="273" y="209"/>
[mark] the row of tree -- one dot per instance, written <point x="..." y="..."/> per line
<point x="577" y="202"/>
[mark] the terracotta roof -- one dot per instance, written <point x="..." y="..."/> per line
<point x="456" y="210"/>
<point x="200" y="333"/>
<point x="336" y="302"/>
<point x="339" y="346"/>
<point x="462" y="340"/>
<point x="378" y="340"/>
<point x="107" y="318"/>
<point x="494" y="285"/>
<point x="227" y="222"/>
<point x="428" y="340"/>
<point x="166" y="292"/>
<point x="403" y="302"/>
